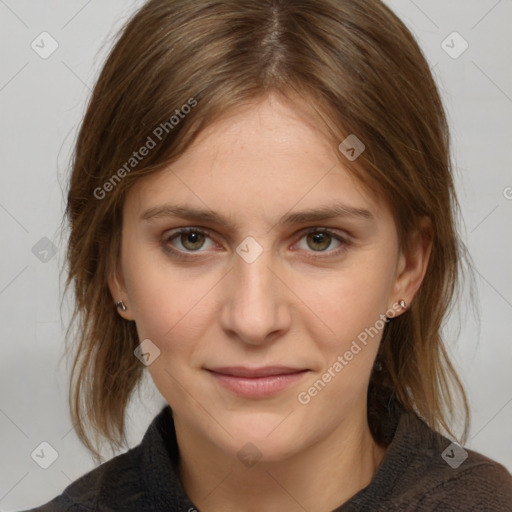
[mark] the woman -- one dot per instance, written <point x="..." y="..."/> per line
<point x="261" y="215"/>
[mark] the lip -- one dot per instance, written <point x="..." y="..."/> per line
<point x="257" y="382"/>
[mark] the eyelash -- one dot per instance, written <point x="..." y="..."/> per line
<point x="189" y="255"/>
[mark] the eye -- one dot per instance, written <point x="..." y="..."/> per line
<point x="320" y="240"/>
<point x="190" y="242"/>
<point x="190" y="239"/>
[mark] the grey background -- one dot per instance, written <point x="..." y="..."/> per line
<point x="42" y="101"/>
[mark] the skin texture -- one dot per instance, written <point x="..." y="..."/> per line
<point x="298" y="304"/>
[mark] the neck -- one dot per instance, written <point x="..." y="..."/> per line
<point x="319" y="478"/>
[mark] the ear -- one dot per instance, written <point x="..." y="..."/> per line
<point x="116" y="285"/>
<point x="413" y="262"/>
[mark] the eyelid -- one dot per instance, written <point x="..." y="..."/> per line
<point x="345" y="240"/>
<point x="175" y="233"/>
<point x="325" y="229"/>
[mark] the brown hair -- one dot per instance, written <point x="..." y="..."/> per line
<point x="361" y="71"/>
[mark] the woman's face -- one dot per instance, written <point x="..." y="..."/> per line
<point x="267" y="332"/>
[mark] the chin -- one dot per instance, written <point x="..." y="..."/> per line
<point x="263" y="436"/>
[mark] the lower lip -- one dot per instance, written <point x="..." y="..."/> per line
<point x="258" y="387"/>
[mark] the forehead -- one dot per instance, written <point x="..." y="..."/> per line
<point x="263" y="160"/>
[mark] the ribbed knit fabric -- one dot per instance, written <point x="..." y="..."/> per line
<point x="422" y="471"/>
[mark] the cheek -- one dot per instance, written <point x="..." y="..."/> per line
<point x="169" y="312"/>
<point x="348" y="346"/>
<point x="164" y="311"/>
<point x="172" y="306"/>
<point x="347" y="302"/>
<point x="350" y="306"/>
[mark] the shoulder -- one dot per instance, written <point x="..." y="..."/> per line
<point x="423" y="471"/>
<point x="114" y="482"/>
<point x="139" y="480"/>
<point x="479" y="483"/>
<point x="444" y="476"/>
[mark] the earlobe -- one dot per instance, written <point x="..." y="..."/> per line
<point x="118" y="293"/>
<point x="121" y="305"/>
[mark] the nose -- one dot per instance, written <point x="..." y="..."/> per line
<point x="255" y="306"/>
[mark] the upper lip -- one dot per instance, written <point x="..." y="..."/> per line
<point x="266" y="371"/>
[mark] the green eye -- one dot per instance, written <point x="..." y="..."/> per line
<point x="316" y="243"/>
<point x="321" y="240"/>
<point x="192" y="240"/>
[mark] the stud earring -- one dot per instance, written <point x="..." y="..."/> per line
<point x="121" y="305"/>
<point x="402" y="304"/>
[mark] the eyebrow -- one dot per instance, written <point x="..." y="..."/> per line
<point x="333" y="211"/>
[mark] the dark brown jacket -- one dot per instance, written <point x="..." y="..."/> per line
<point x="422" y="471"/>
